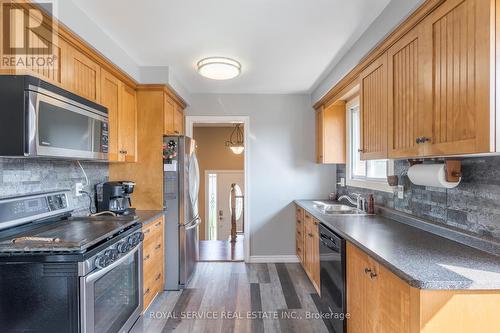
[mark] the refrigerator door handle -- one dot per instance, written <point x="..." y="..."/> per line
<point x="197" y="223"/>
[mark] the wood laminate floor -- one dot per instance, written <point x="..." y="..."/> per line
<point x="222" y="250"/>
<point x="237" y="297"/>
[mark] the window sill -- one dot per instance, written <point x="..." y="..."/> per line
<point x="370" y="185"/>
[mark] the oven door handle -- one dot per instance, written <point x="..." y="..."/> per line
<point x="107" y="269"/>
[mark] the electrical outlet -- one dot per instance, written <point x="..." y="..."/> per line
<point x="78" y="189"/>
<point x="342" y="182"/>
<point x="401" y="191"/>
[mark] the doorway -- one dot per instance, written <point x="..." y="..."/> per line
<point x="222" y="196"/>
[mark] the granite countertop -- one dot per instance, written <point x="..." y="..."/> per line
<point x="423" y="259"/>
<point x="147" y="216"/>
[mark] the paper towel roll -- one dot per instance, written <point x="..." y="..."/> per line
<point x="430" y="175"/>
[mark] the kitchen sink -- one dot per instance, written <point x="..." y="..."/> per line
<point x="329" y="208"/>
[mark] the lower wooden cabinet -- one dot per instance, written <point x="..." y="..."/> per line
<point x="307" y="240"/>
<point x="379" y="301"/>
<point x="299" y="233"/>
<point x="153" y="260"/>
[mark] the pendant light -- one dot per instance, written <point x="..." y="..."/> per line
<point x="235" y="142"/>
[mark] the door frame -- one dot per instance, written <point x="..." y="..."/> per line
<point x="207" y="172"/>
<point x="245" y="120"/>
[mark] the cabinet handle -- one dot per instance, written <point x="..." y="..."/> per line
<point x="158" y="247"/>
<point x="158" y="224"/>
<point x="308" y="216"/>
<point x="147" y="291"/>
<point x="299" y="232"/>
<point x="422" y="139"/>
<point x="146" y="258"/>
<point x="310" y="235"/>
<point x="158" y="277"/>
<point x="360" y="150"/>
<point x="299" y="221"/>
<point x="146" y="231"/>
<point x="367" y="270"/>
<point x="373" y="275"/>
<point x="176" y="132"/>
<point x="316" y="223"/>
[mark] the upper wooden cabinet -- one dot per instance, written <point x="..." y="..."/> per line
<point x="80" y="74"/>
<point x="178" y="120"/>
<point x="406" y="108"/>
<point x="457" y="49"/>
<point x="331" y="133"/>
<point x="373" y="108"/>
<point x="168" y="114"/>
<point x="127" y="125"/>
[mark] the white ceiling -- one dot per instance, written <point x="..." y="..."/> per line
<point x="284" y="46"/>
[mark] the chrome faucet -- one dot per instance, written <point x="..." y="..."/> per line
<point x="359" y="201"/>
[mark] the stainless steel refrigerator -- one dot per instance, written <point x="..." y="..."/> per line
<point x="181" y="186"/>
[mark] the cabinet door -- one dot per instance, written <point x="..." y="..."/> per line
<point x="407" y="115"/>
<point x="178" y="120"/>
<point x="80" y="74"/>
<point x="373" y="108"/>
<point x="110" y="98"/>
<point x="331" y="135"/>
<point x="356" y="286"/>
<point x="394" y="303"/>
<point x="457" y="36"/>
<point x="307" y="244"/>
<point x="127" y="124"/>
<point x="314" y="258"/>
<point x="168" y="115"/>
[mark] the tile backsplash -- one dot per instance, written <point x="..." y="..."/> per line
<point x="20" y="176"/>
<point x="473" y="206"/>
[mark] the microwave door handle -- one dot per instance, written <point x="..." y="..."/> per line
<point x="104" y="271"/>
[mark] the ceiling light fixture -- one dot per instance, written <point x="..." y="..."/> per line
<point x="235" y="142"/>
<point x="219" y="68"/>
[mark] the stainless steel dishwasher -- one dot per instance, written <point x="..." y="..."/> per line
<point x="332" y="276"/>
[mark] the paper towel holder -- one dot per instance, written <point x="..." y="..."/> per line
<point x="453" y="169"/>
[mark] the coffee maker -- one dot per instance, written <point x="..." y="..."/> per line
<point x="115" y="197"/>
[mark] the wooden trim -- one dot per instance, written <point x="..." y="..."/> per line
<point x="163" y="87"/>
<point x="416" y="17"/>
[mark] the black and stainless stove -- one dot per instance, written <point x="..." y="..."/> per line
<point x="60" y="273"/>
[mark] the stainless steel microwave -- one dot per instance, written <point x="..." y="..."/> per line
<point x="39" y="119"/>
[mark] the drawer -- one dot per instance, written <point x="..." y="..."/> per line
<point x="153" y="231"/>
<point x="153" y="260"/>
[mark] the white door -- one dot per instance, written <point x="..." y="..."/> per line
<point x="224" y="182"/>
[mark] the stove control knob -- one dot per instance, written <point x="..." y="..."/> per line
<point x="102" y="261"/>
<point x="112" y="254"/>
<point x="123" y="247"/>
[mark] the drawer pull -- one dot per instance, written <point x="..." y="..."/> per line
<point x="310" y="235"/>
<point x="158" y="277"/>
<point x="157" y="247"/>
<point x="367" y="270"/>
<point x="316" y="223"/>
<point x="299" y="221"/>
<point x="147" y="291"/>
<point x="147" y="257"/>
<point x="299" y="249"/>
<point x="299" y="232"/>
<point x="158" y="224"/>
<point x="373" y="275"/>
<point x="308" y="216"/>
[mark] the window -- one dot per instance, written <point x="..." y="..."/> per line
<point x="367" y="174"/>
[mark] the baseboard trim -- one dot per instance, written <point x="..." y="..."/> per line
<point x="273" y="259"/>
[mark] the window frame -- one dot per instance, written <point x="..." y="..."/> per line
<point x="358" y="181"/>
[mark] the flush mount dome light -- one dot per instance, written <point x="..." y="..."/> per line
<point x="219" y="68"/>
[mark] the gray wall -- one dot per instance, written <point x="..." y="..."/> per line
<point x="395" y="12"/>
<point x="281" y="162"/>
<point x="473" y="206"/>
<point x="20" y="176"/>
